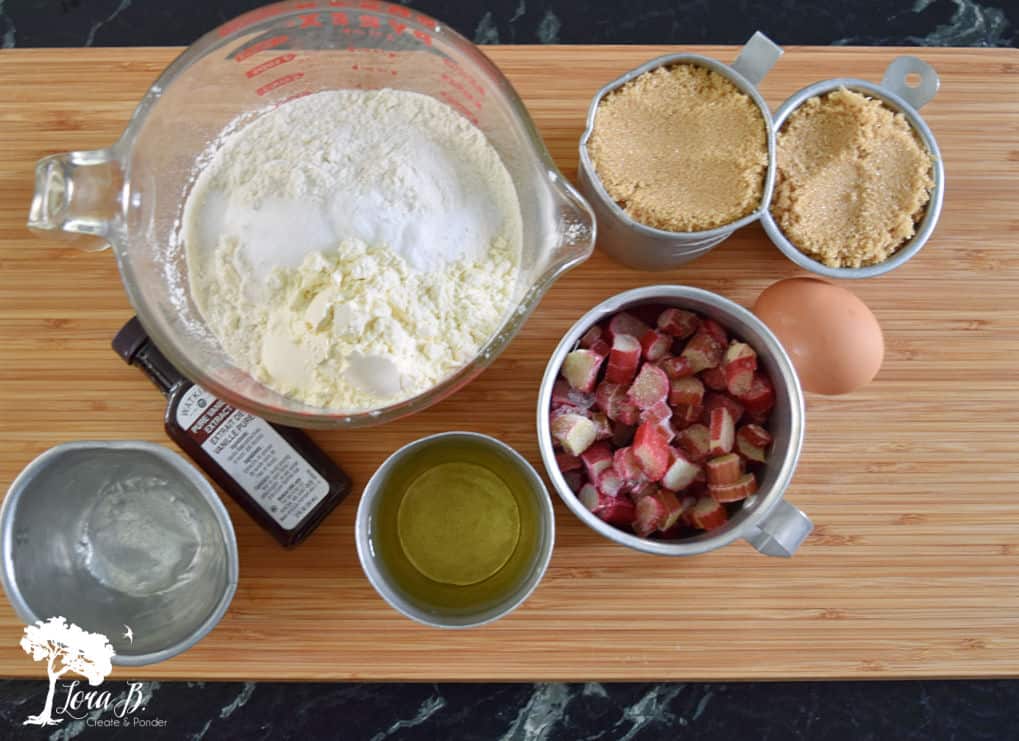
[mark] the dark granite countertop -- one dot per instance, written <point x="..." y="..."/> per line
<point x="805" y="710"/>
<point x="909" y="22"/>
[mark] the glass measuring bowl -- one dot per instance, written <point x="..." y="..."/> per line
<point x="131" y="195"/>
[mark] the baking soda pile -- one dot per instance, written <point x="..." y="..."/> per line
<point x="352" y="249"/>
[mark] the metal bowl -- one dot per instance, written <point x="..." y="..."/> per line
<point x="645" y="247"/>
<point x="899" y="96"/>
<point x="115" y="536"/>
<point x="767" y="521"/>
<point x="379" y="576"/>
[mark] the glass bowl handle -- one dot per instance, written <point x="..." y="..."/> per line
<point x="78" y="197"/>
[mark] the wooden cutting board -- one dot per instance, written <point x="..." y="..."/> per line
<point x="913" y="482"/>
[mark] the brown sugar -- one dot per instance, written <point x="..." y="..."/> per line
<point x="681" y="148"/>
<point x="853" y="180"/>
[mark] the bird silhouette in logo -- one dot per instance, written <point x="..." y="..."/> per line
<point x="129" y="634"/>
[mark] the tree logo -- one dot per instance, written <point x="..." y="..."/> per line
<point x="66" y="648"/>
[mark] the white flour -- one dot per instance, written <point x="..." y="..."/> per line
<point x="353" y="248"/>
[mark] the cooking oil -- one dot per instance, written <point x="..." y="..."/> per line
<point x="457" y="525"/>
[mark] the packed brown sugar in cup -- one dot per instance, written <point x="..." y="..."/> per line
<point x="853" y="180"/>
<point x="681" y="148"/>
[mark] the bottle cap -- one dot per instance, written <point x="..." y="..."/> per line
<point x="130" y="339"/>
<point x="133" y="345"/>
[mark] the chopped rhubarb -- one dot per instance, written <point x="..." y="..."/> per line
<point x="580" y="369"/>
<point x="656" y="345"/>
<point x="751" y="441"/>
<point x="602" y="426"/>
<point x="716" y="330"/>
<point x="677" y="367"/>
<point x="657" y="412"/>
<point x="714" y="378"/>
<point x="695" y="441"/>
<point x="596" y="459"/>
<point x="613" y="439"/>
<point x="722" y="430"/>
<point x="609" y="482"/>
<point x="657" y="511"/>
<point x="725" y="469"/>
<point x="660" y="414"/>
<point x="652" y="450"/>
<point x="735" y="491"/>
<point x="649" y="387"/>
<point x="673" y="509"/>
<point x="605" y="393"/>
<point x="626" y="465"/>
<point x="623" y="323"/>
<point x="573" y="432"/>
<point x="756" y="435"/>
<point x="589" y="496"/>
<point x="688" y="500"/>
<point x="623" y="359"/>
<point x="681" y="472"/>
<point x="702" y="351"/>
<point x="684" y="415"/>
<point x="740" y="362"/>
<point x="565" y="409"/>
<point x="707" y="514"/>
<point x="567" y="462"/>
<point x="591" y="336"/>
<point x="616" y="510"/>
<point x="714" y="400"/>
<point x="760" y="398"/>
<point x="565" y="395"/>
<point x="611" y="398"/>
<point x="646" y="489"/>
<point x="678" y="323"/>
<point x="689" y="391"/>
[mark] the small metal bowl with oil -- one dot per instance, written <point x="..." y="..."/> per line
<point x="437" y="556"/>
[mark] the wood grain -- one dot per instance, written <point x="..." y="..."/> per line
<point x="913" y="481"/>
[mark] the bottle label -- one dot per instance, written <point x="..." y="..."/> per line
<point x="255" y="455"/>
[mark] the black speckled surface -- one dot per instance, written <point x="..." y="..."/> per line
<point x="832" y="711"/>
<point x="912" y="22"/>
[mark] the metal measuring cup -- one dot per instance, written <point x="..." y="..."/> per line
<point x="899" y="96"/>
<point x="644" y="247"/>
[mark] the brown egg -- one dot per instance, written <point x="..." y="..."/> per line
<point x="833" y="339"/>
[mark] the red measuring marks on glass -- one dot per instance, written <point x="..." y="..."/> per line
<point x="270" y="64"/>
<point x="461" y="90"/>
<point x="279" y="82"/>
<point x="260" y="46"/>
<point x="373" y="61"/>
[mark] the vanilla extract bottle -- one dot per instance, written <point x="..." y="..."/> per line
<point x="276" y="473"/>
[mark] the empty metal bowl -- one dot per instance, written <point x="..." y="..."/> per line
<point x="119" y="538"/>
<point x="769" y="523"/>
<point x="896" y="93"/>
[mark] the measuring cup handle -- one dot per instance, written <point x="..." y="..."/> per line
<point x="77" y="196"/>
<point x="781" y="532"/>
<point x="898" y="71"/>
<point x="757" y="57"/>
